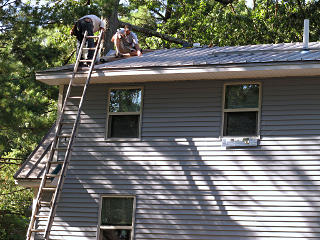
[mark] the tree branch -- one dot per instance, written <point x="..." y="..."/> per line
<point x="159" y="13"/>
<point x="6" y="3"/>
<point x="150" y="32"/>
<point x="68" y="59"/>
<point x="168" y="10"/>
<point x="232" y="8"/>
<point x="3" y="28"/>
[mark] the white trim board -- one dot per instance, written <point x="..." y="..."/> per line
<point x="184" y="73"/>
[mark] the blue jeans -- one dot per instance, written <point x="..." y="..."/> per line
<point x="82" y="27"/>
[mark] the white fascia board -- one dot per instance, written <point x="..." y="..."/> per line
<point x="185" y="73"/>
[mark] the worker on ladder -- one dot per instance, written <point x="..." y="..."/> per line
<point x="87" y="24"/>
<point x="91" y="24"/>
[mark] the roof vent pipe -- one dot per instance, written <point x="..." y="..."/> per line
<point x="306" y="34"/>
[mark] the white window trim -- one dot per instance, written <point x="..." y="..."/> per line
<point x="124" y="113"/>
<point x="100" y="227"/>
<point x="258" y="109"/>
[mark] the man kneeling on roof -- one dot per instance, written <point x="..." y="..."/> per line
<point x="91" y="24"/>
<point x="126" y="42"/>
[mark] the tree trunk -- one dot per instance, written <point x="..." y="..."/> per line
<point x="112" y="24"/>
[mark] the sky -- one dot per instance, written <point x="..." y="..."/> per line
<point x="249" y="3"/>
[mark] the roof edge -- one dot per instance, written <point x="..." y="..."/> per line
<point x="200" y="72"/>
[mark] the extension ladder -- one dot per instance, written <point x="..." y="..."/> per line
<point x="49" y="193"/>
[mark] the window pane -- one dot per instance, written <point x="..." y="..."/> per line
<point x="117" y="211"/>
<point x="125" y="100"/>
<point x="241" y="123"/>
<point x="123" y="126"/>
<point x="242" y="96"/>
<point x="119" y="234"/>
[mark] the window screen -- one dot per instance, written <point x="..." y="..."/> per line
<point x="116" y="211"/>
<point x="241" y="123"/>
<point x="116" y="218"/>
<point x="124" y="126"/>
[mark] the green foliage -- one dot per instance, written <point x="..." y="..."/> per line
<point x="15" y="202"/>
<point x="32" y="38"/>
<point x="13" y="227"/>
<point x="143" y="18"/>
<point x="13" y="198"/>
<point x="212" y="23"/>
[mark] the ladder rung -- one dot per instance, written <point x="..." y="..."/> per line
<point x="43" y="203"/>
<point x="64" y="136"/>
<point x="86" y="60"/>
<point x="92" y="37"/>
<point x="41" y="216"/>
<point x="50" y="175"/>
<point x="49" y="188"/>
<point x="88" y="48"/>
<point x="37" y="230"/>
<point x="75" y="97"/>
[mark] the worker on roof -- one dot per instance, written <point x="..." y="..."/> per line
<point x="90" y="23"/>
<point x="126" y="42"/>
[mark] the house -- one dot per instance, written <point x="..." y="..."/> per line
<point x="216" y="143"/>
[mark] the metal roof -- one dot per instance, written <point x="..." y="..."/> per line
<point x="252" y="54"/>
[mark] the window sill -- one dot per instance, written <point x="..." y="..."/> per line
<point x="123" y="139"/>
<point x="234" y="142"/>
<point x="115" y="227"/>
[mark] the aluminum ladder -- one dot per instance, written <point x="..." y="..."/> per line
<point x="56" y="169"/>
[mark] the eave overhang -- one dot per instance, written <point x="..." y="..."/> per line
<point x="177" y="73"/>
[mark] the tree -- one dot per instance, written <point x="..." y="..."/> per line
<point x="15" y="205"/>
<point x="27" y="107"/>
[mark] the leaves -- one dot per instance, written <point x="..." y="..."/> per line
<point x="211" y="22"/>
<point x="15" y="203"/>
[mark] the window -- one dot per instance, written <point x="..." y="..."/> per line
<point x="116" y="218"/>
<point x="241" y="111"/>
<point x="124" y="112"/>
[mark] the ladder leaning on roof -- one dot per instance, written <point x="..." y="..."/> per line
<point x="56" y="169"/>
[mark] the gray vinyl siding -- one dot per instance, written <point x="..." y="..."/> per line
<point x="186" y="185"/>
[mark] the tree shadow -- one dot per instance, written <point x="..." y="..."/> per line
<point x="187" y="186"/>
